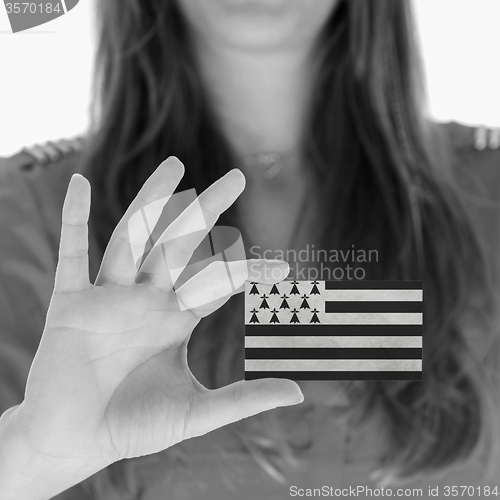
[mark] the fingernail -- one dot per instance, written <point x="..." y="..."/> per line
<point x="301" y="397"/>
<point x="293" y="403"/>
<point x="297" y="401"/>
<point x="170" y="163"/>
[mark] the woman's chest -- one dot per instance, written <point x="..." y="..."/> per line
<point x="333" y="465"/>
<point x="214" y="470"/>
<point x="276" y="218"/>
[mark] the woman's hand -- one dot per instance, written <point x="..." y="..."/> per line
<point x="110" y="379"/>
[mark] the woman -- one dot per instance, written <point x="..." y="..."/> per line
<point x="331" y="88"/>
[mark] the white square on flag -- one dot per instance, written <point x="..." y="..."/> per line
<point x="334" y="330"/>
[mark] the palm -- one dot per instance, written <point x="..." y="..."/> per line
<point x="110" y="379"/>
<point x="119" y="347"/>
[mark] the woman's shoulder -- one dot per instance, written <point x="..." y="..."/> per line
<point x="470" y="138"/>
<point x="33" y="184"/>
<point x="35" y="179"/>
<point x="43" y="160"/>
<point x="477" y="153"/>
<point x="476" y="172"/>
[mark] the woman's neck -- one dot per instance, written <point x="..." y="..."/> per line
<point x="260" y="98"/>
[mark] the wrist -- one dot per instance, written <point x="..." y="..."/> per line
<point x="26" y="474"/>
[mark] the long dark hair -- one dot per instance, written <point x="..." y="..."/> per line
<point x="384" y="180"/>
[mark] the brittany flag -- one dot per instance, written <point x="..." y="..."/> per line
<point x="334" y="330"/>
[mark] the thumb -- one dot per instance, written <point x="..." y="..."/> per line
<point x="216" y="408"/>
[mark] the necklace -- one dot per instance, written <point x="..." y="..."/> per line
<point x="270" y="164"/>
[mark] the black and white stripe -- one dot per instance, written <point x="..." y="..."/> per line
<point x="334" y="330"/>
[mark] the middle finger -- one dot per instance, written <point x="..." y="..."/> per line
<point x="174" y="248"/>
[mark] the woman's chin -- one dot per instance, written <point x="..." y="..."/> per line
<point x="249" y="24"/>
<point x="257" y="24"/>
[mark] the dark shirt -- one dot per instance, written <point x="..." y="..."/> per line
<point x="32" y="190"/>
